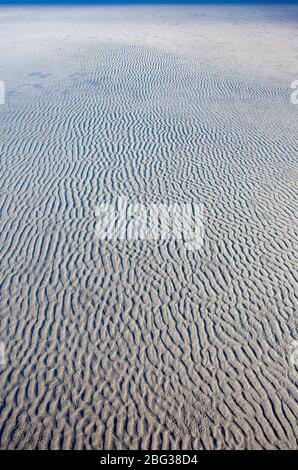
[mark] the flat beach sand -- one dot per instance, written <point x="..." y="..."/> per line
<point x="145" y="344"/>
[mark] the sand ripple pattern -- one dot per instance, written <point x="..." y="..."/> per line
<point x="145" y="345"/>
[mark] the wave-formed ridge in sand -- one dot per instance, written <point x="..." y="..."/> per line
<point x="144" y="344"/>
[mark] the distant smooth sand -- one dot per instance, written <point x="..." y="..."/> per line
<point x="146" y="345"/>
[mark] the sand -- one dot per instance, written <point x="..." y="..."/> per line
<point x="145" y="344"/>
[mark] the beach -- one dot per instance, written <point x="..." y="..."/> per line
<point x="143" y="343"/>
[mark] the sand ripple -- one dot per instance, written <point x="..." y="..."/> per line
<point x="144" y="344"/>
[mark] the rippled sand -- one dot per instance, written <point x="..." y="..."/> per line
<point x="127" y="345"/>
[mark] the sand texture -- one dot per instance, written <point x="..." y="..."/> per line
<point x="144" y="344"/>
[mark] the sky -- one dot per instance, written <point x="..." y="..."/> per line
<point x="108" y="2"/>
